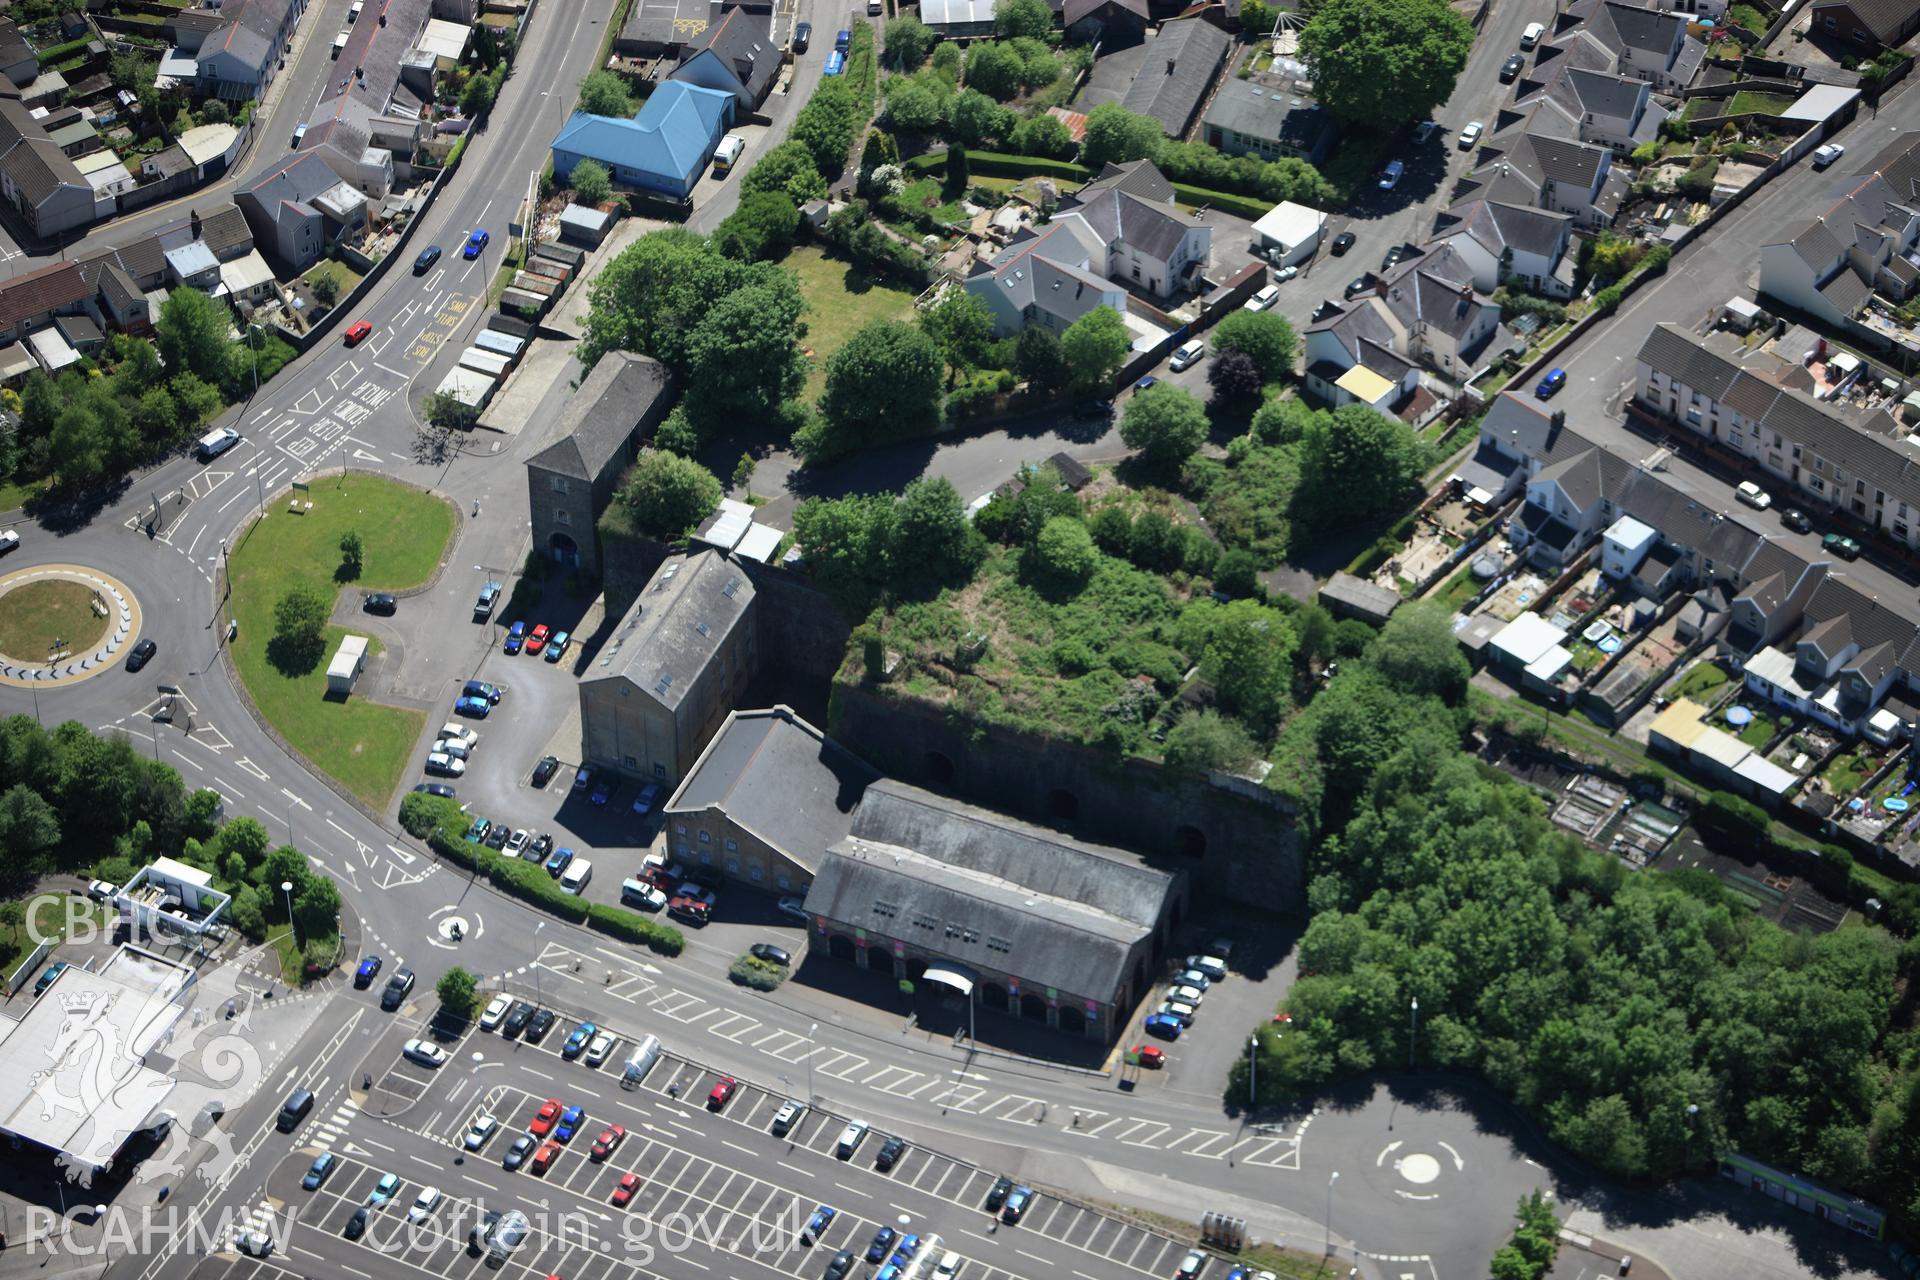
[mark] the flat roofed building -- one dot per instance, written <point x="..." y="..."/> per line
<point x="73" y="1078"/>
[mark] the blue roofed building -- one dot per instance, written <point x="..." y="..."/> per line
<point x="661" y="150"/>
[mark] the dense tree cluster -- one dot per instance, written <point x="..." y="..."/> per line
<point x="667" y="495"/>
<point x="884" y="384"/>
<point x="1380" y="64"/>
<point x="72" y="801"/>
<point x="1605" y="1003"/>
<point x="867" y="547"/>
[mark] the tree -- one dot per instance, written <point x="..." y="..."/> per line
<point x="592" y="184"/>
<point x="28" y="828"/>
<point x="246" y="837"/>
<point x="916" y="104"/>
<point x="1418" y="651"/>
<point x="762" y="226"/>
<point x="1257" y="19"/>
<point x="130" y="71"/>
<point x="81" y="445"/>
<point x="743" y="358"/>
<point x="446" y="412"/>
<point x="456" y="991"/>
<point x="1115" y="135"/>
<point x="1038" y="358"/>
<point x="651" y="296"/>
<point x="1233" y="379"/>
<point x="1264" y="336"/>
<point x="353" y="554"/>
<point x="849" y="546"/>
<point x="1165" y="424"/>
<point x="1356" y="464"/>
<point x="743" y="474"/>
<point x="1237" y="573"/>
<point x="959" y="173"/>
<point x="603" y="93"/>
<point x="961" y="324"/>
<point x="1384" y="63"/>
<point x="316" y="906"/>
<point x="299" y="629"/>
<point x="668" y="494"/>
<point x="879" y="149"/>
<point x="1282" y="421"/>
<point x="1064" y="552"/>
<point x="788" y="169"/>
<point x="192" y="331"/>
<point x="1022" y="18"/>
<point x="882" y="385"/>
<point x="906" y="40"/>
<point x="1248" y="657"/>
<point x="931" y="536"/>
<point x="1206" y="740"/>
<point x="477" y="98"/>
<point x="1094" y="346"/>
<point x="1112" y="530"/>
<point x="994" y="68"/>
<point x="977" y="118"/>
<point x="1042" y="135"/>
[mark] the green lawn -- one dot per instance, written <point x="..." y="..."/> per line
<point x="1848" y="770"/>
<point x="1766" y="103"/>
<point x="842" y="301"/>
<point x="39" y="612"/>
<point x="361" y="743"/>
<point x="15" y="494"/>
<point x="1702" y="680"/>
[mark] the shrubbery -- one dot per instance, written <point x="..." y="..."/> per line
<point x="761" y="975"/>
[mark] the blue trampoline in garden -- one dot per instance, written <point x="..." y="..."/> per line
<point x="1739" y="716"/>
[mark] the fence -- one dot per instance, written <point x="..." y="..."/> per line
<point x="26" y="967"/>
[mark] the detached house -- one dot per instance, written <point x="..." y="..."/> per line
<point x="735" y="55"/>
<point x="235" y="47"/>
<point x="1426" y="312"/>
<point x="1560" y="175"/>
<point x="1149" y="241"/>
<point x="1501" y="242"/>
<point x="1049" y="280"/>
<point x="1573" y="93"/>
<point x="1648" y="44"/>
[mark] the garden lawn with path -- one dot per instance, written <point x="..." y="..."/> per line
<point x="362" y="744"/>
<point x="35" y="613"/>
<point x="841" y="301"/>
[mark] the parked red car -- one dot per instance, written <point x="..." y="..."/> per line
<point x="543" y="1159"/>
<point x="717" y="1097"/>
<point x="544" y="1118"/>
<point x="357" y="331"/>
<point x="628" y="1185"/>
<point x="608" y="1141"/>
<point x="538" y="640"/>
<point x="1150" y="1056"/>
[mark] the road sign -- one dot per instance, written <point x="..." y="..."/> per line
<point x="172" y="690"/>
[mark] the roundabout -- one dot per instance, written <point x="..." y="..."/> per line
<point x="62" y="623"/>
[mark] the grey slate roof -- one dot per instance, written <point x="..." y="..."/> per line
<point x="1500" y="226"/>
<point x="1519" y="424"/>
<point x="1153" y="227"/>
<point x="1181" y="62"/>
<point x="1887" y="19"/>
<point x="1634" y="27"/>
<point x="680" y="620"/>
<point x="1137" y="177"/>
<point x="600" y="417"/>
<point x="782" y="779"/>
<point x="981" y="887"/>
<point x="743" y="41"/>
<point x="1258" y="110"/>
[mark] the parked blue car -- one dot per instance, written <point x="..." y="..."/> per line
<point x="570" y="1123"/>
<point x="836" y="63"/>
<point x="1166" y="1026"/>
<point x="559" y="860"/>
<point x="578" y="1040"/>
<point x="475" y="707"/>
<point x="516" y="636"/>
<point x="1551" y="384"/>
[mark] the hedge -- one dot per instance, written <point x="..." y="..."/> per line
<point x="1240" y="206"/>
<point x="1001" y="165"/>
<point x="750" y="971"/>
<point x="442" y="825"/>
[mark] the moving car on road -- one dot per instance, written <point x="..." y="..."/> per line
<point x="476" y="244"/>
<point x="141" y="654"/>
<point x="357" y="332"/>
<point x="428" y="256"/>
<point x="397" y="987"/>
<point x="1550" y="385"/>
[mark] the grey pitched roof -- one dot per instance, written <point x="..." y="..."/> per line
<point x="780" y="778"/>
<point x="1074" y="10"/>
<point x="1500" y="226"/>
<point x="1137" y="177"/>
<point x="1153" y="228"/>
<point x="1601" y="93"/>
<point x="980" y="886"/>
<point x="291" y="186"/>
<point x="1585" y="478"/>
<point x="39" y="168"/>
<point x="1181" y="61"/>
<point x="1027" y="275"/>
<point x="676" y="625"/>
<point x="1257" y="110"/>
<point x="1520" y="424"/>
<point x="1629" y="26"/>
<point x="1383" y="360"/>
<point x="598" y="422"/>
<point x="1887" y="19"/>
<point x="743" y="41"/>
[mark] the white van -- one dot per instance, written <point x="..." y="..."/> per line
<point x="646" y="1052"/>
<point x="850" y="1138"/>
<point x="215" y="443"/>
<point x="727" y="153"/>
<point x="575" y="878"/>
<point x="339" y="45"/>
<point x="1531" y="36"/>
<point x="949" y="1266"/>
<point x="1188" y="355"/>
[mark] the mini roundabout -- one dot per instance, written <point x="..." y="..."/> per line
<point x="61" y="623"/>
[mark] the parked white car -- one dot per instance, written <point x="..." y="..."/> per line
<point x="1824" y="156"/>
<point x="451" y="747"/>
<point x="516" y="843"/>
<point x="1188" y="355"/>
<point x="427" y="1055"/>
<point x="1213" y="966"/>
<point x="598" y="1050"/>
<point x="1283" y="274"/>
<point x="423" y="1204"/>
<point x="442" y="763"/>
<point x="460" y="733"/>
<point x="1753" y="495"/>
<point x="495" y="1011"/>
<point x="1262" y="300"/>
<point x="1187" y="995"/>
<point x="483" y="1127"/>
<point x="1471" y="134"/>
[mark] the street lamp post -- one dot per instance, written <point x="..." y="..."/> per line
<point x="810" y="1030"/>
<point x="536" y="959"/>
<point x="1693" y="1117"/>
<point x="1331" y="1179"/>
<point x="1253" y="1065"/>
<point x="1413" y="1034"/>
<point x="286" y="887"/>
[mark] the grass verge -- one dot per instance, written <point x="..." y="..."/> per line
<point x="363" y="744"/>
<point x="37" y="613"/>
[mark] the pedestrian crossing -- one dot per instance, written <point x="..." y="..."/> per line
<point x="333" y="1127"/>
